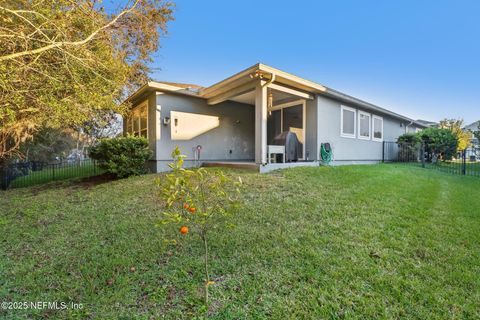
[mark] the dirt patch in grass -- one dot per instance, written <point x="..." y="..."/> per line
<point x="83" y="183"/>
<point x="51" y="185"/>
<point x="93" y="181"/>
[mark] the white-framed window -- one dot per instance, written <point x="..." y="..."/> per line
<point x="137" y="120"/>
<point x="364" y="125"/>
<point x="348" y="122"/>
<point x="377" y="126"/>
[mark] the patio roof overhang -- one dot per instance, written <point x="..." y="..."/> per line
<point x="247" y="80"/>
<point x="239" y="84"/>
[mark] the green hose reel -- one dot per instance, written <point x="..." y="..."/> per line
<point x="326" y="153"/>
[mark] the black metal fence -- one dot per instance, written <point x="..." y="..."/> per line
<point x="466" y="162"/>
<point x="24" y="174"/>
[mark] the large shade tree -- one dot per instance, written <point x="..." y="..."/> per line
<point x="64" y="62"/>
<point x="456" y="127"/>
<point x="439" y="142"/>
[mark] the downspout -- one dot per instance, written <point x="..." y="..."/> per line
<point x="258" y="74"/>
<point x="272" y="79"/>
<point x="408" y="125"/>
<point x="270" y="95"/>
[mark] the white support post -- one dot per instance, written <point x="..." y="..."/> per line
<point x="261" y="123"/>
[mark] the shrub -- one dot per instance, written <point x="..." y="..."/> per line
<point x="441" y="143"/>
<point x="198" y="201"/>
<point x="122" y="156"/>
<point x="409" y="147"/>
<point x="412" y="138"/>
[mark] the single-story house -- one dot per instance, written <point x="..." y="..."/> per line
<point x="234" y="122"/>
<point x="473" y="127"/>
<point x="430" y="124"/>
<point x="473" y="151"/>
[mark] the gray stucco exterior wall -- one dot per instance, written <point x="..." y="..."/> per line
<point x="152" y="130"/>
<point x="353" y="150"/>
<point x="311" y="130"/>
<point x="232" y="140"/>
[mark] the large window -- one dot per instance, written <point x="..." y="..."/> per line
<point x="377" y="128"/>
<point x="137" y="120"/>
<point x="348" y="122"/>
<point x="289" y="116"/>
<point x="364" y="122"/>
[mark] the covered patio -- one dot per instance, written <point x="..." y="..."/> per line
<point x="282" y="103"/>
<point x="259" y="167"/>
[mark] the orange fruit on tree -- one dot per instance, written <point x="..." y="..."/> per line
<point x="185" y="206"/>
<point x="184" y="230"/>
<point x="192" y="210"/>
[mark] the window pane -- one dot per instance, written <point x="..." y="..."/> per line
<point x="377" y="128"/>
<point x="143" y="123"/>
<point x="143" y="118"/>
<point x="348" y="126"/>
<point x="293" y="121"/>
<point x="129" y="124"/>
<point x="364" y="129"/>
<point x="144" y="133"/>
<point x="136" y="123"/>
<point x="274" y="123"/>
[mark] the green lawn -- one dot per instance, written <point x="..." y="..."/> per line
<point x="455" y="167"/>
<point x="54" y="173"/>
<point x="383" y="241"/>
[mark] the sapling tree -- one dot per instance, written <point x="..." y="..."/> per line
<point x="198" y="201"/>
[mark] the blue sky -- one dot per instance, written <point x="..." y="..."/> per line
<point x="418" y="58"/>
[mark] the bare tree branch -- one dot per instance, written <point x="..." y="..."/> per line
<point x="63" y="43"/>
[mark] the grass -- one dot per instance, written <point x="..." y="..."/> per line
<point x="353" y="242"/>
<point x="51" y="173"/>
<point x="455" y="167"/>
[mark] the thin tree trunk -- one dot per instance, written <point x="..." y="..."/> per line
<point x="207" y="278"/>
<point x="78" y="138"/>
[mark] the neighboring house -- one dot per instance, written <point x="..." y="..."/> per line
<point x="235" y="120"/>
<point x="426" y="123"/>
<point x="473" y="152"/>
<point x="472" y="128"/>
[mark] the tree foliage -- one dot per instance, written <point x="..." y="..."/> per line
<point x="49" y="143"/>
<point x="456" y="127"/>
<point x="411" y="138"/>
<point x="439" y="143"/>
<point x="63" y="62"/>
<point x="105" y="125"/>
<point x="409" y="145"/>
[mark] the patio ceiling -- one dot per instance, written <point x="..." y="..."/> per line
<point x="279" y="97"/>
